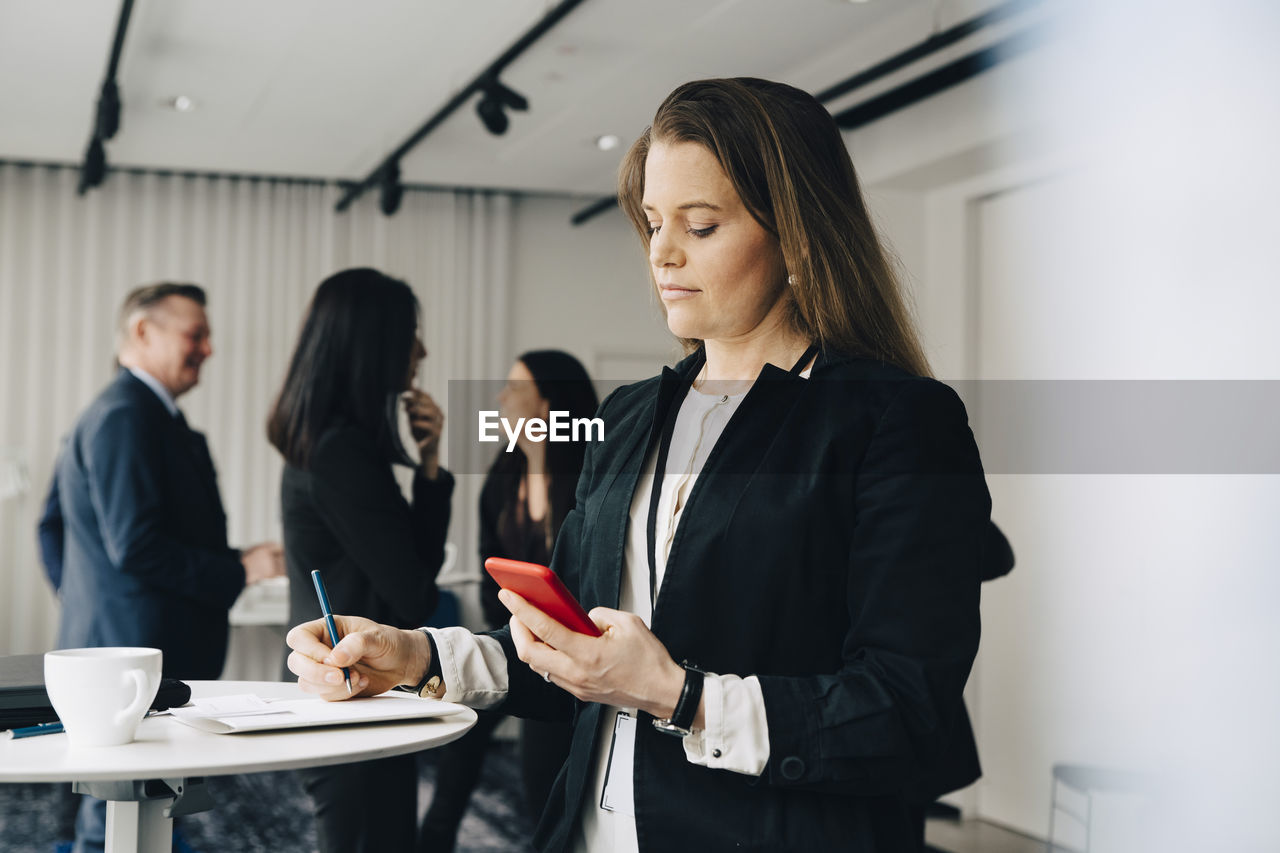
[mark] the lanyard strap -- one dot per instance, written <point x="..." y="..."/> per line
<point x="659" y="472"/>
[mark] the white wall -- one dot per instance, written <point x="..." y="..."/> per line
<point x="1110" y="219"/>
<point x="585" y="289"/>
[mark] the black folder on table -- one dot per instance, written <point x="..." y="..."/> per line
<point x="24" y="702"/>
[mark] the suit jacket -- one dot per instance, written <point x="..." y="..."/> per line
<point x="832" y="547"/>
<point x="500" y="537"/>
<point x="50" y="533"/>
<point x="145" y="559"/>
<point x="345" y="515"/>
<point x="958" y="765"/>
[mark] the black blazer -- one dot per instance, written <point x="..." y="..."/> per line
<point x="346" y="516"/>
<point x="145" y="559"/>
<point x="499" y="539"/>
<point x="830" y="547"/>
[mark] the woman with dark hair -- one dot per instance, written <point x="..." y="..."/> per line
<point x="526" y="496"/>
<point x="335" y="422"/>
<point x="780" y="539"/>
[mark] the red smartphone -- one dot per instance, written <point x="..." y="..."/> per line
<point x="539" y="586"/>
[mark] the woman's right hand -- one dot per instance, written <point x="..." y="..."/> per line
<point x="379" y="657"/>
<point x="426" y="422"/>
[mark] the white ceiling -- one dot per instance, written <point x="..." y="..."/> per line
<point x="327" y="88"/>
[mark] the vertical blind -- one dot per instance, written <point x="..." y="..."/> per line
<point x="259" y="248"/>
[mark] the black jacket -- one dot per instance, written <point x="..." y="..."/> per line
<point x="145" y="560"/>
<point x="346" y="516"/>
<point x="499" y="537"/>
<point x="830" y="547"/>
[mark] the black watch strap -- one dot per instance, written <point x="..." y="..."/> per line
<point x="433" y="678"/>
<point x="681" y="722"/>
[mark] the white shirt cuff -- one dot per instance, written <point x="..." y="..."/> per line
<point x="474" y="668"/>
<point x="736" y="736"/>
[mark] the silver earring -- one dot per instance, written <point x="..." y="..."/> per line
<point x="791" y="280"/>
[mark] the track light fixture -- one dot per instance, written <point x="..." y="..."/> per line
<point x="494" y="99"/>
<point x="392" y="191"/>
<point x="106" y="124"/>
<point x="108" y="110"/>
<point x="493" y="103"/>
<point x="94" y="169"/>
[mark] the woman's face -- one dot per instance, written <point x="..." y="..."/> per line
<point x="519" y="398"/>
<point x="416" y="356"/>
<point x="719" y="273"/>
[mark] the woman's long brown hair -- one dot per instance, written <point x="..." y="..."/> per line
<point x="784" y="155"/>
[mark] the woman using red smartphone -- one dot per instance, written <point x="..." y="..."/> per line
<point x="780" y="537"/>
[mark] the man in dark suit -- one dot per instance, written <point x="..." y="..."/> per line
<point x="144" y="555"/>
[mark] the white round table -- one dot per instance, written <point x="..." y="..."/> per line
<point x="160" y="775"/>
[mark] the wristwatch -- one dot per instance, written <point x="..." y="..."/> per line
<point x="680" y="724"/>
<point x="432" y="684"/>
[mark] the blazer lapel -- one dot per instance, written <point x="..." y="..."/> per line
<point x="741" y="450"/>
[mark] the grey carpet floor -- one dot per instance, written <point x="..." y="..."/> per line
<point x="269" y="812"/>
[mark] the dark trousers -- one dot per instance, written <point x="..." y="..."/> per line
<point x="365" y="807"/>
<point x="916" y="814"/>
<point x="458" y="767"/>
<point x="543" y="750"/>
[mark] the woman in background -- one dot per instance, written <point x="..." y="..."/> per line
<point x="335" y="422"/>
<point x="526" y="496"/>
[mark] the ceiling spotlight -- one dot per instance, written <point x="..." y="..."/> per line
<point x="180" y="103"/>
<point x="94" y="170"/>
<point x="493" y="103"/>
<point x="392" y="191"/>
<point x="608" y="141"/>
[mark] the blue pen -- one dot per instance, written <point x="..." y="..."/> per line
<point x="32" y="731"/>
<point x="328" y="619"/>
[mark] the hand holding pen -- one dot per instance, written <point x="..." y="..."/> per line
<point x="386" y="656"/>
<point x="327" y="611"/>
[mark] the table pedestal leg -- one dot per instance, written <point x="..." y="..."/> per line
<point x="139" y="825"/>
<point x="140" y="813"/>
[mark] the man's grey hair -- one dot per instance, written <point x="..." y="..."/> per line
<point x="141" y="300"/>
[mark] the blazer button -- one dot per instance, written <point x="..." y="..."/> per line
<point x="715" y="753"/>
<point x="792" y="768"/>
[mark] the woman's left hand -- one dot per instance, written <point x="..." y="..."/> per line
<point x="627" y="666"/>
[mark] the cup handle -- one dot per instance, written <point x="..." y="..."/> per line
<point x="140" y="702"/>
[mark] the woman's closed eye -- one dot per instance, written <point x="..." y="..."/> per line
<point x="696" y="232"/>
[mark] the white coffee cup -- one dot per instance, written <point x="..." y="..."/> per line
<point x="101" y="694"/>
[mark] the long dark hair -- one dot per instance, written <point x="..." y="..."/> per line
<point x="352" y="356"/>
<point x="786" y="159"/>
<point x="563" y="382"/>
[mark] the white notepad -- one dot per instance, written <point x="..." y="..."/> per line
<point x="249" y="713"/>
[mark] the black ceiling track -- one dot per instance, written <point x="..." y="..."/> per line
<point x="482" y="81"/>
<point x="939" y="79"/>
<point x="931" y="45"/>
<point x="913" y="91"/>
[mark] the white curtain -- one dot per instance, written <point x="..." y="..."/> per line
<point x="259" y="248"/>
